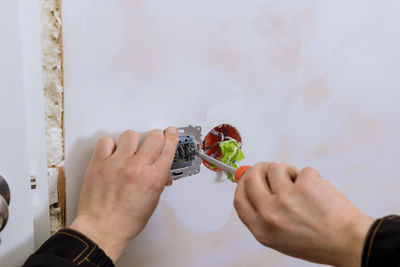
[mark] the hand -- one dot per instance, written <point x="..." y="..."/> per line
<point x="122" y="187"/>
<point x="301" y="215"/>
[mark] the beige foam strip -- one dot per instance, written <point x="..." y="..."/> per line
<point x="53" y="90"/>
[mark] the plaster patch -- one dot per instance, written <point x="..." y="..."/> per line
<point x="316" y="91"/>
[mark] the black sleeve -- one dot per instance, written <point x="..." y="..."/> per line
<point x="69" y="248"/>
<point x="382" y="246"/>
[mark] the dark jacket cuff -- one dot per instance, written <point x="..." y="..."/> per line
<point x="71" y="246"/>
<point x="382" y="246"/>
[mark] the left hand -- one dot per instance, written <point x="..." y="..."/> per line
<point x="122" y="187"/>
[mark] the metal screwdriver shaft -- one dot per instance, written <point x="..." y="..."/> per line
<point x="223" y="166"/>
<point x="237" y="173"/>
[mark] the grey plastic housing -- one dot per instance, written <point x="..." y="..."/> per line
<point x="185" y="162"/>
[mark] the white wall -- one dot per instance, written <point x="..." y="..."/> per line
<point x="17" y="237"/>
<point x="305" y="82"/>
<point x="22" y="145"/>
<point x="31" y="55"/>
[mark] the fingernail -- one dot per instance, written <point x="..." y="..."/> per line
<point x="172" y="130"/>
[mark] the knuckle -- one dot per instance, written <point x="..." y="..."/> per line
<point x="155" y="184"/>
<point x="266" y="216"/>
<point x="248" y="174"/>
<point x="256" y="166"/>
<point x="99" y="170"/>
<point x="156" y="136"/>
<point x="311" y="171"/>
<point x="266" y="167"/>
<point x="132" y="134"/>
<point x="268" y="242"/>
<point x="307" y="169"/>
<point x="153" y="179"/>
<point x="237" y="203"/>
<point x="304" y="186"/>
<point x="260" y="165"/>
<point x="248" y="179"/>
<point x="253" y="172"/>
<point x="257" y="169"/>
<point x="104" y="140"/>
<point x="126" y="172"/>
<point x="169" y="151"/>
<point x="261" y="237"/>
<point x="172" y="142"/>
<point x="130" y="171"/>
<point x="276" y="168"/>
<point x="271" y="216"/>
<point x="156" y="133"/>
<point x="287" y="166"/>
<point x="285" y="201"/>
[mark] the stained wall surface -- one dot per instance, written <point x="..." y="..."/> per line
<point x="311" y="83"/>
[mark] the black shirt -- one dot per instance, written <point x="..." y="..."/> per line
<point x="69" y="248"/>
<point x="382" y="246"/>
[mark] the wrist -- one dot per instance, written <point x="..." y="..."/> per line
<point x="109" y="243"/>
<point x="353" y="241"/>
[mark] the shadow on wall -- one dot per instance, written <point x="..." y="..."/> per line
<point x="79" y="156"/>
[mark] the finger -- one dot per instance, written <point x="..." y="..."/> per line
<point x="164" y="162"/>
<point x="127" y="144"/>
<point x="242" y="205"/>
<point x="307" y="174"/>
<point x="152" y="146"/>
<point x="104" y="148"/>
<point x="256" y="185"/>
<point x="281" y="177"/>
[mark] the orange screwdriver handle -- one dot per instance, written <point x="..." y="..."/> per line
<point x="240" y="171"/>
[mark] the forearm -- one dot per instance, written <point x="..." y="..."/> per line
<point x="350" y="249"/>
<point x="103" y="235"/>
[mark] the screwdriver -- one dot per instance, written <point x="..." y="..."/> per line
<point x="237" y="173"/>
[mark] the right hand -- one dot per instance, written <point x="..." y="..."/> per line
<point x="301" y="215"/>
